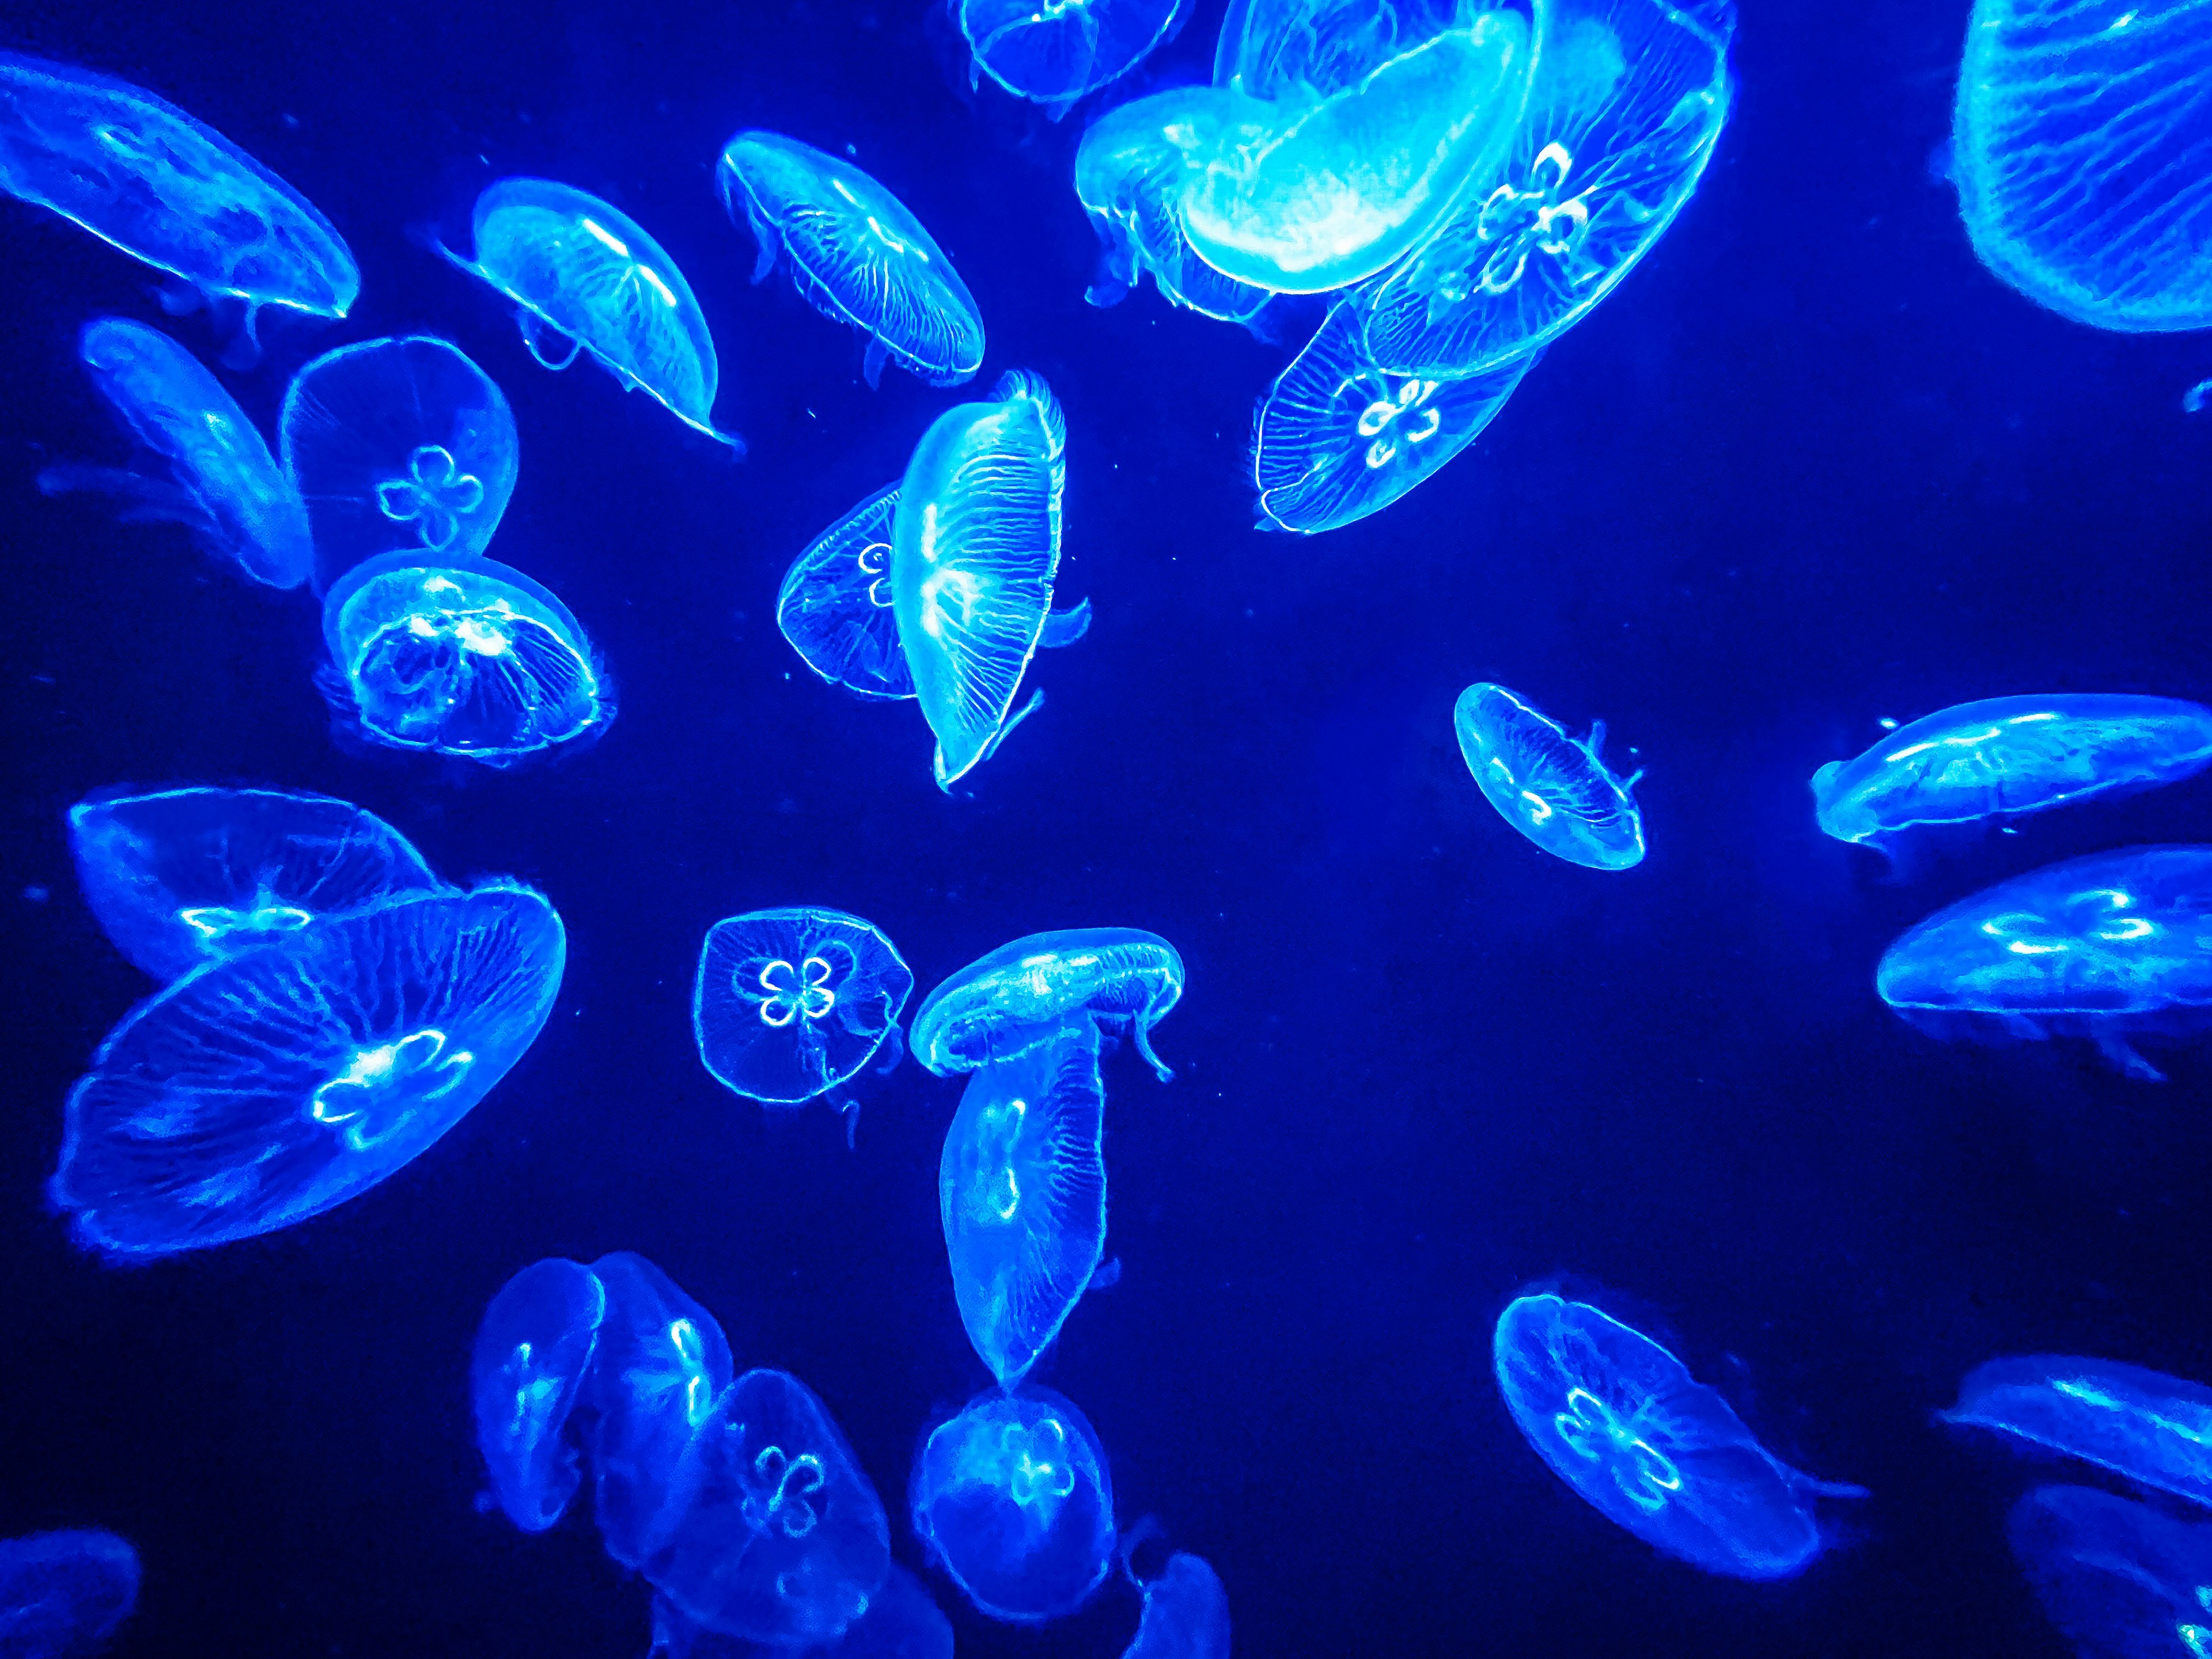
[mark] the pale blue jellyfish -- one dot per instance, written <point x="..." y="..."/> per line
<point x="901" y="1622"/>
<point x="476" y="660"/>
<point x="2006" y="756"/>
<point x="791" y="1004"/>
<point x="1621" y="1421"/>
<point x="1554" y="789"/>
<point x="2148" y="1427"/>
<point x="2105" y="947"/>
<point x="64" y="1593"/>
<point x="533" y="1353"/>
<point x="398" y="445"/>
<point x="856" y="255"/>
<point x="1019" y="996"/>
<point x="585" y="277"/>
<point x="1012" y="1498"/>
<point x="2080" y="145"/>
<point x="1185" y="1613"/>
<point x="1056" y="53"/>
<point x="181" y="876"/>
<point x="2119" y="1578"/>
<point x="223" y="484"/>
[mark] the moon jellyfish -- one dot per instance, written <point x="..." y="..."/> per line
<point x="2105" y="947"/>
<point x="1057" y="53"/>
<point x="2120" y="1579"/>
<point x="533" y="1351"/>
<point x="1185" y="1613"/>
<point x="397" y="445"/>
<point x="475" y="661"/>
<point x="901" y="1622"/>
<point x="1643" y="1442"/>
<point x="1013" y="1498"/>
<point x="1020" y="996"/>
<point x="584" y="278"/>
<point x="64" y="1593"/>
<point x="856" y="255"/>
<point x="183" y="876"/>
<point x="223" y="485"/>
<point x="791" y="1004"/>
<point x="272" y="1084"/>
<point x="1554" y="789"/>
<point x="2152" y="1429"/>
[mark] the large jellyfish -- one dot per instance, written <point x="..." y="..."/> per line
<point x="181" y="876"/>
<point x="64" y="1593"/>
<point x="790" y="1004"/>
<point x="1554" y="788"/>
<point x="223" y="484"/>
<point x="901" y="1622"/>
<point x="397" y="445"/>
<point x="1019" y="996"/>
<point x="1623" y="1422"/>
<point x="585" y="277"/>
<point x="532" y="1354"/>
<point x="2152" y="1429"/>
<point x="2105" y="947"/>
<point x="1185" y="1613"/>
<point x="272" y="1084"/>
<point x="1056" y="53"/>
<point x="1014" y="1497"/>
<point x="2119" y="1578"/>
<point x="856" y="255"/>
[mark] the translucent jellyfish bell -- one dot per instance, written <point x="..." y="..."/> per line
<point x="64" y="1593"/>
<point x="2141" y="1424"/>
<point x="1554" y="788"/>
<point x="2120" y="1579"/>
<point x="1019" y="996"/>
<point x="533" y="1353"/>
<point x="1056" y="54"/>
<point x="1185" y="1613"/>
<point x="791" y="1004"/>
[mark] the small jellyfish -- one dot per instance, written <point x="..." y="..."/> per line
<point x="475" y="661"/>
<point x="1057" y="53"/>
<point x="398" y="445"/>
<point x="1621" y="1420"/>
<point x="272" y="1084"/>
<point x="791" y="1004"/>
<point x="64" y="1593"/>
<point x="1185" y="1613"/>
<point x="585" y="277"/>
<point x="1018" y="998"/>
<point x="181" y="876"/>
<point x="2120" y="1579"/>
<point x="1013" y="1498"/>
<point x="856" y="255"/>
<point x="2150" y="1428"/>
<point x="1552" y="788"/>
<point x="223" y="484"/>
<point x="901" y="1622"/>
<point x="532" y="1354"/>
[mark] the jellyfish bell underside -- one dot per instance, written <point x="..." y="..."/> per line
<point x="2141" y="1425"/>
<point x="64" y="1593"/>
<point x="2119" y="1577"/>
<point x="1555" y="790"/>
<point x="791" y="1004"/>
<point x="1185" y="1613"/>
<point x="1056" y="55"/>
<point x="533" y="1351"/>
<point x="1018" y="997"/>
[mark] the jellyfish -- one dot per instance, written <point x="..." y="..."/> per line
<point x="901" y="1622"/>
<point x="1055" y="54"/>
<point x="398" y="445"/>
<point x="272" y="1084"/>
<point x="223" y="485"/>
<point x="532" y="1354"/>
<point x="64" y="1593"/>
<point x="791" y="1004"/>
<point x="2105" y="947"/>
<point x="1621" y="1420"/>
<point x="182" y="875"/>
<point x="1552" y="788"/>
<point x="1185" y="1613"/>
<point x="475" y="661"/>
<point x="144" y="176"/>
<point x="2150" y="1428"/>
<point x="2078" y="144"/>
<point x="2004" y="756"/>
<point x="1013" y="1498"/>
<point x="2120" y="1579"/>
<point x="1018" y="997"/>
<point x="856" y="255"/>
<point x="974" y="544"/>
<point x="1337" y="439"/>
<point x="584" y="277"/>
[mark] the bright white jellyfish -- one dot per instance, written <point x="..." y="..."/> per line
<point x="793" y="1003"/>
<point x="2120" y="1579"/>
<point x="1554" y="789"/>
<point x="1057" y="52"/>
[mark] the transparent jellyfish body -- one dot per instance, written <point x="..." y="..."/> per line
<point x="793" y="1003"/>
<point x="1056" y="53"/>
<point x="901" y="1622"/>
<point x="398" y="445"/>
<point x="1554" y="789"/>
<point x="270" y="1085"/>
<point x="2105" y="947"/>
<point x="2141" y="1424"/>
<point x="1013" y="1498"/>
<point x="1021" y="995"/>
<point x="856" y="254"/>
<point x="533" y="1351"/>
<point x="585" y="277"/>
<point x="2120" y="1579"/>
<point x="222" y="484"/>
<point x="2080" y="142"/>
<point x="64" y="1593"/>
<point x="475" y="661"/>
<point x="1186" y="1612"/>
<point x="1622" y="1422"/>
<point x="179" y="877"/>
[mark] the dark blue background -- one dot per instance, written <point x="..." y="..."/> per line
<point x="1810" y="466"/>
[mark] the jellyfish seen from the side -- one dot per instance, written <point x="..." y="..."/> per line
<point x="222" y="484"/>
<point x="856" y="255"/>
<point x="1555" y="789"/>
<point x="2119" y="1578"/>
<point x="901" y="1622"/>
<point x="2141" y="1425"/>
<point x="64" y="1593"/>
<point x="1057" y="53"/>
<point x="270" y="1085"/>
<point x="533" y="1351"/>
<point x="793" y="1003"/>
<point x="1186" y="1612"/>
<point x="1020" y="996"/>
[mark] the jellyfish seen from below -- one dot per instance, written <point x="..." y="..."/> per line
<point x="1623" y="1422"/>
<point x="901" y="1622"/>
<point x="182" y="875"/>
<point x="533" y="1353"/>
<point x="223" y="484"/>
<point x="1185" y="1613"/>
<point x="2106" y="947"/>
<point x="64" y="1593"/>
<point x="856" y="255"/>
<point x="791" y="1004"/>
<point x="270" y="1085"/>
<point x="1012" y="1496"/>
<point x="1554" y="789"/>
<point x="1054" y="54"/>
<point x="2120" y="1579"/>
<point x="1020" y="997"/>
<point x="584" y="277"/>
<point x="2141" y="1424"/>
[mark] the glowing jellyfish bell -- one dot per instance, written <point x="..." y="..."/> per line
<point x="2119" y="1578"/>
<point x="1554" y="788"/>
<point x="1020" y="996"/>
<point x="533" y="1351"/>
<point x="64" y="1593"/>
<point x="2141" y="1424"/>
<point x="1056" y="54"/>
<point x="1186" y="1612"/>
<point x="791" y="1004"/>
<point x="900" y="1622"/>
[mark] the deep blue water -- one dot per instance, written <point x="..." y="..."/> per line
<point x="1810" y="466"/>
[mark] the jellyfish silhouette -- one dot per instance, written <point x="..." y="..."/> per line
<point x="1185" y="1613"/>
<point x="1020" y="996"/>
<point x="272" y="1084"/>
<point x="222" y="484"/>
<point x="2118" y="1578"/>
<point x="1552" y="788"/>
<point x="856" y="255"/>
<point x="533" y="1353"/>
<point x="64" y="1593"/>
<point x="790" y="1004"/>
<point x="1054" y="55"/>
<point x="2150" y="1428"/>
<point x="901" y="1622"/>
<point x="179" y="877"/>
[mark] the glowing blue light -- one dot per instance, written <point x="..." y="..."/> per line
<point x="1554" y="789"/>
<point x="2118" y="1578"/>
<point x="1060" y="51"/>
<point x="2150" y="1428"/>
<point x="791" y="1004"/>
<point x="62" y="1594"/>
<point x="533" y="1353"/>
<point x="1185" y="1613"/>
<point x="1019" y="996"/>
